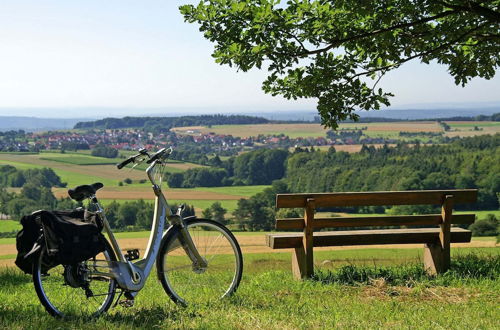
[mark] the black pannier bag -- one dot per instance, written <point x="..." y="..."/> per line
<point x="69" y="237"/>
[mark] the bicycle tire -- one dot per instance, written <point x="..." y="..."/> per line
<point x="186" y="285"/>
<point x="62" y="300"/>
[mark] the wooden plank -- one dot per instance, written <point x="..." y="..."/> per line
<point x="368" y="237"/>
<point x="419" y="197"/>
<point x="406" y="220"/>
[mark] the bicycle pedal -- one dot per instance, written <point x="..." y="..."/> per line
<point x="132" y="254"/>
<point x="127" y="303"/>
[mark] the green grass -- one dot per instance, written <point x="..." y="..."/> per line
<point x="269" y="298"/>
<point x="20" y="165"/>
<point x="481" y="214"/>
<point x="9" y="225"/>
<point x="72" y="178"/>
<point x="472" y="125"/>
<point x="5" y="241"/>
<point x="81" y="160"/>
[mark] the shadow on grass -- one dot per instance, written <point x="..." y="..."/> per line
<point x="464" y="267"/>
<point x="12" y="276"/>
<point x="135" y="318"/>
<point x="149" y="317"/>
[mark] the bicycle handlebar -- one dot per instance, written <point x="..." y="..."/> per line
<point x="162" y="153"/>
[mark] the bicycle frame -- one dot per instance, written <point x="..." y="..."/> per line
<point x="132" y="276"/>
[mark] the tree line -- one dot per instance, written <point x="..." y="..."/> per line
<point x="253" y="168"/>
<point x="35" y="193"/>
<point x="466" y="163"/>
<point x="169" y="122"/>
<point x="43" y="177"/>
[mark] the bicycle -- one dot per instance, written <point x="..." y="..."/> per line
<point x="197" y="260"/>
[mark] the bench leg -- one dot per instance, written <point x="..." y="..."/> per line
<point x="434" y="259"/>
<point x="299" y="263"/>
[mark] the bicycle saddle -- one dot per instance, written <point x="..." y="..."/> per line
<point x="84" y="191"/>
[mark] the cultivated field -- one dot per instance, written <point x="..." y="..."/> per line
<point x="292" y="130"/>
<point x="77" y="169"/>
<point x="472" y="128"/>
<point x="388" y="130"/>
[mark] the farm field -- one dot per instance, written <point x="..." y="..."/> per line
<point x="292" y="130"/>
<point x="9" y="225"/>
<point x="374" y="130"/>
<point x="464" y="129"/>
<point x="77" y="169"/>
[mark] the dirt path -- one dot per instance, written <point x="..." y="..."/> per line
<point x="252" y="244"/>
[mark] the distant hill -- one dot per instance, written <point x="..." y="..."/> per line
<point x="169" y="122"/>
<point x="34" y="124"/>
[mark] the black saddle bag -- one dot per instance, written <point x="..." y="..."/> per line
<point x="68" y="237"/>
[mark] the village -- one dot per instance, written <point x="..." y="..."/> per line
<point x="133" y="139"/>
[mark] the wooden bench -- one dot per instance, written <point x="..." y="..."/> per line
<point x="437" y="236"/>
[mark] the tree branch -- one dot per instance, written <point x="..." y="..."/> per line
<point x="339" y="42"/>
<point x="476" y="8"/>
<point x="421" y="54"/>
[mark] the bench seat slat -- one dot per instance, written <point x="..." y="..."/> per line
<point x="408" y="220"/>
<point x="367" y="237"/>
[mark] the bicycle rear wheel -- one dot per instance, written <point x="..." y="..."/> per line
<point x="73" y="290"/>
<point x="187" y="284"/>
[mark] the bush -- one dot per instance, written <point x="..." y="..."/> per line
<point x="485" y="227"/>
<point x="128" y="181"/>
<point x="104" y="151"/>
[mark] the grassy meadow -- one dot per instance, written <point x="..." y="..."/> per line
<point x="345" y="297"/>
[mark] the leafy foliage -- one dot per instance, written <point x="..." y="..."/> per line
<point x="104" y="151"/>
<point x="486" y="227"/>
<point x="253" y="168"/>
<point x="466" y="163"/>
<point x="330" y="50"/>
<point x="44" y="177"/>
<point x="135" y="215"/>
<point x="215" y="212"/>
<point x="35" y="192"/>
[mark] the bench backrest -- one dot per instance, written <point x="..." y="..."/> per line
<point x="421" y="197"/>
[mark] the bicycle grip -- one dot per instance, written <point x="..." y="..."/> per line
<point x="125" y="162"/>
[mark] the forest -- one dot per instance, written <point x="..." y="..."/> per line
<point x="465" y="163"/>
<point x="168" y="122"/>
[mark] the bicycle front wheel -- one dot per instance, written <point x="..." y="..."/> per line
<point x="186" y="283"/>
<point x="76" y="290"/>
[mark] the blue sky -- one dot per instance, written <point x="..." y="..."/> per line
<point x="136" y="55"/>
